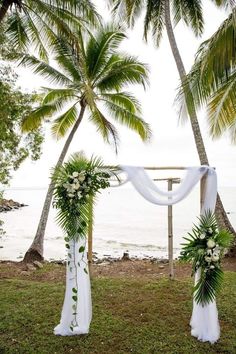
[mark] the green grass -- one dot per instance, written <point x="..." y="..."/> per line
<point x="143" y="317"/>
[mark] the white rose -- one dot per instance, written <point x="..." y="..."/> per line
<point x="208" y="259"/>
<point x="202" y="236"/>
<point x="212" y="267"/>
<point x="211" y="243"/>
<point x="215" y="257"/>
<point x="75" y="174"/>
<point x="71" y="195"/>
<point x="81" y="178"/>
<point x="76" y="186"/>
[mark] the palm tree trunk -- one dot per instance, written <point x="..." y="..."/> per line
<point x="4" y="8"/>
<point x="35" y="252"/>
<point x="220" y="212"/>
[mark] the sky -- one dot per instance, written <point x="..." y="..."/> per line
<point x="172" y="143"/>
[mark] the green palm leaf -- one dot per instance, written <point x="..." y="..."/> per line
<point x="104" y="127"/>
<point x="35" y="119"/>
<point x="129" y="119"/>
<point x="64" y="122"/>
<point x="44" y="69"/>
<point x="98" y="49"/>
<point x="123" y="71"/>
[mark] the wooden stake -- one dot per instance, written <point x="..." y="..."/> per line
<point x="170" y="234"/>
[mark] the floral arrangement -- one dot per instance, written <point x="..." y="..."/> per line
<point x="205" y="247"/>
<point x="76" y="183"/>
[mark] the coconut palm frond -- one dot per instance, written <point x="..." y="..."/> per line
<point x="16" y="31"/>
<point x="190" y="11"/>
<point x="44" y="69"/>
<point x="107" y="41"/>
<point x="123" y="71"/>
<point x="154" y="20"/>
<point x="64" y="122"/>
<point x="66" y="95"/>
<point x="129" y="119"/>
<point x="222" y="108"/>
<point x="211" y="79"/>
<point x="35" y="119"/>
<point x="124" y="100"/>
<point x="104" y="127"/>
<point x="127" y="10"/>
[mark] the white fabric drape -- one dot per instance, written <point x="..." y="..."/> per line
<point x="204" y="320"/>
<point x="76" y="314"/>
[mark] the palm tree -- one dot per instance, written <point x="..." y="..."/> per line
<point x="157" y="18"/>
<point x="36" y="22"/>
<point x="92" y="79"/>
<point x="212" y="78"/>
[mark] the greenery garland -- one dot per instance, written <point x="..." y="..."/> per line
<point x="205" y="247"/>
<point x="76" y="184"/>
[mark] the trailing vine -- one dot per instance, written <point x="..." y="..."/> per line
<point x="76" y="184"/>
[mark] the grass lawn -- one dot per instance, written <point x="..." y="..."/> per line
<point x="129" y="316"/>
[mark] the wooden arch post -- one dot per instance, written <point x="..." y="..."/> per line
<point x="171" y="181"/>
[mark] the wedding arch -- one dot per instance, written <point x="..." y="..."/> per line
<point x="79" y="182"/>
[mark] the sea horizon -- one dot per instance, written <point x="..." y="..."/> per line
<point x="124" y="222"/>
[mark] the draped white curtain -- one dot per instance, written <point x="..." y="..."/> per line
<point x="204" y="321"/>
<point x="76" y="313"/>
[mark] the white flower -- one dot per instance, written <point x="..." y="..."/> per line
<point x="75" y="174"/>
<point x="211" y="243"/>
<point x="81" y="178"/>
<point x="202" y="236"/>
<point x="210" y="230"/>
<point x="216" y="252"/>
<point x="215" y="257"/>
<point x="208" y="259"/>
<point x="71" y="195"/>
<point x="212" y="267"/>
<point x="76" y="186"/>
<point x="209" y="252"/>
<point x="79" y="194"/>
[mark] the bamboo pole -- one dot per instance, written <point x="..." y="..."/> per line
<point x="90" y="235"/>
<point x="202" y="191"/>
<point x="170" y="234"/>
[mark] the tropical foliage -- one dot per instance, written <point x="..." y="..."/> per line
<point x="90" y="76"/>
<point x="205" y="247"/>
<point x="213" y="78"/>
<point x="15" y="147"/>
<point x="157" y="19"/>
<point x="76" y="184"/>
<point x="97" y="75"/>
<point x="36" y="23"/>
<point x="190" y="12"/>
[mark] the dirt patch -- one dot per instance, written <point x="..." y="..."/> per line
<point x="132" y="269"/>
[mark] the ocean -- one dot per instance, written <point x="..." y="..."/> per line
<point x="124" y="221"/>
